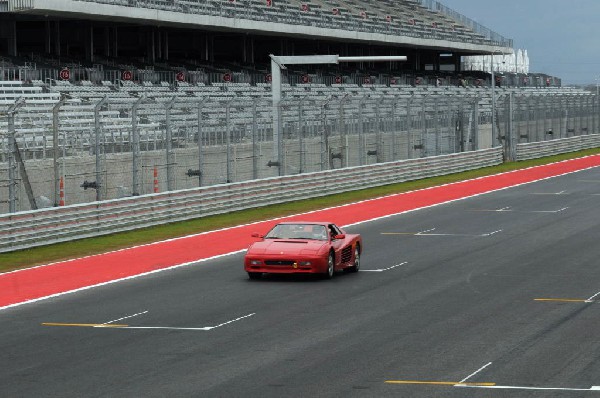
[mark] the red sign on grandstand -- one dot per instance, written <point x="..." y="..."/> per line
<point x="127" y="75"/>
<point x="65" y="74"/>
<point x="338" y="80"/>
<point x="269" y="3"/>
<point x="393" y="81"/>
<point x="335" y="11"/>
<point x="180" y="76"/>
<point x="411" y="21"/>
<point x="268" y="78"/>
<point x="304" y="7"/>
<point x="388" y="18"/>
<point x="367" y="80"/>
<point x="227" y="77"/>
<point x="363" y="14"/>
<point x="305" y="78"/>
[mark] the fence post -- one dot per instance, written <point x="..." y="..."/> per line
<point x="12" y="196"/>
<point x="510" y="139"/>
<point x="99" y="184"/>
<point x="361" y="131"/>
<point x="169" y="143"/>
<point x="254" y="132"/>
<point x="135" y="150"/>
<point x="324" y="137"/>
<point x="409" y="141"/>
<point x="475" y="145"/>
<point x="200" y="139"/>
<point x="55" y="123"/>
<point x="301" y="134"/>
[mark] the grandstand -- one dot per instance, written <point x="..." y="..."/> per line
<point x="185" y="85"/>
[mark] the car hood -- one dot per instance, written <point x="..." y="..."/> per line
<point x="286" y="247"/>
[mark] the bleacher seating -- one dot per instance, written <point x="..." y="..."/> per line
<point x="396" y="17"/>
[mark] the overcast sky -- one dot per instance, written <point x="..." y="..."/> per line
<point x="562" y="37"/>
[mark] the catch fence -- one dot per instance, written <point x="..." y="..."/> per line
<point x="75" y="151"/>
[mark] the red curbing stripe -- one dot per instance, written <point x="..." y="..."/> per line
<point x="43" y="281"/>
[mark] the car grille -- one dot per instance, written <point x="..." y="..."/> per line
<point x="279" y="262"/>
<point x="346" y="254"/>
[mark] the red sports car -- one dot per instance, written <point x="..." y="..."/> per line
<point x="303" y="247"/>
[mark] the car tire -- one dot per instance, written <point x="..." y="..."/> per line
<point x="356" y="266"/>
<point x="254" y="275"/>
<point x="330" y="271"/>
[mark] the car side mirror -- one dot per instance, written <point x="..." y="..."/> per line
<point x="340" y="236"/>
<point x="257" y="235"/>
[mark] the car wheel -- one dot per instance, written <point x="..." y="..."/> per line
<point x="254" y="275"/>
<point x="356" y="266"/>
<point x="330" y="267"/>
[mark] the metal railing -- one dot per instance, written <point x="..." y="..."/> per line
<point x="42" y="227"/>
<point x="113" y="147"/>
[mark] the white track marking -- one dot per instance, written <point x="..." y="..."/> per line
<point x="593" y="388"/>
<point x="384" y="269"/>
<point x="508" y="209"/>
<point x="125" y="317"/>
<point x="295" y="215"/>
<point x="205" y="328"/>
<point x="429" y="233"/>
<point x="474" y="373"/>
<point x="551" y="193"/>
<point x="591" y="299"/>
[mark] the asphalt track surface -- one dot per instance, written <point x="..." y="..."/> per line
<point x="491" y="296"/>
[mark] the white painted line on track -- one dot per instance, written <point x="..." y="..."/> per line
<point x="474" y="373"/>
<point x="429" y="233"/>
<point x="125" y="317"/>
<point x="593" y="388"/>
<point x="550" y="193"/>
<point x="204" y="328"/>
<point x="509" y="210"/>
<point x="591" y="299"/>
<point x="384" y="269"/>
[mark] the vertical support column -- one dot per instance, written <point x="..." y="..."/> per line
<point x="361" y="131"/>
<point x="301" y="135"/>
<point x="476" y="124"/>
<point x="99" y="151"/>
<point x="510" y="138"/>
<point x="409" y="140"/>
<point x="276" y="96"/>
<point x="55" y="123"/>
<point x="12" y="149"/>
<point x="228" y="139"/>
<point x="135" y="147"/>
<point x="393" y="125"/>
<point x="254" y="143"/>
<point x="169" y="144"/>
<point x="200" y="147"/>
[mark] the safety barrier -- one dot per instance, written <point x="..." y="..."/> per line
<point x="540" y="149"/>
<point x="36" y="228"/>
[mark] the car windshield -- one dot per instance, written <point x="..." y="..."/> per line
<point x="298" y="231"/>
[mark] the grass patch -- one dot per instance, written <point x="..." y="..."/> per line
<point x="62" y="251"/>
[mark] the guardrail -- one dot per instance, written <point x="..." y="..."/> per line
<point x="540" y="149"/>
<point x="42" y="227"/>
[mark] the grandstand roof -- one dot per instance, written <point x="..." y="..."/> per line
<point x="392" y="22"/>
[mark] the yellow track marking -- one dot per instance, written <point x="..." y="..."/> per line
<point x="84" y="325"/>
<point x="439" y="383"/>
<point x="564" y="300"/>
